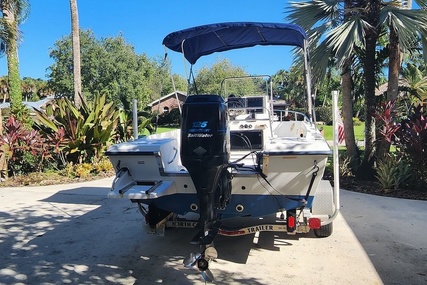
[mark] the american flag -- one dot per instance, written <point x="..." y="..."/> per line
<point x="341" y="135"/>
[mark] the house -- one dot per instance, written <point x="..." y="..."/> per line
<point x="168" y="102"/>
<point x="382" y="91"/>
<point x="30" y="105"/>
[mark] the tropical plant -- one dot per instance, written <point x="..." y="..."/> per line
<point x="345" y="29"/>
<point x="387" y="124"/>
<point x="289" y="86"/>
<point x="25" y="150"/>
<point x="87" y="130"/>
<point x="33" y="89"/>
<point x="416" y="79"/>
<point x="412" y="144"/>
<point x="393" y="172"/>
<point x="124" y="129"/>
<point x="14" y="13"/>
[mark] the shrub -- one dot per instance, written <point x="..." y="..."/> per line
<point x="124" y="129"/>
<point x="85" y="132"/>
<point x="24" y="149"/>
<point x="68" y="171"/>
<point x="392" y="173"/>
<point x="324" y="114"/>
<point x="344" y="167"/>
<point x="171" y="118"/>
<point x="83" y="170"/>
<point x="412" y="145"/>
<point x="357" y="122"/>
<point x="103" y="165"/>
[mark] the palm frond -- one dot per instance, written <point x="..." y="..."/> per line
<point x="343" y="39"/>
<point x="309" y="14"/>
<point x="421" y="3"/>
<point x="320" y="61"/>
<point x="424" y="41"/>
<point x="19" y="8"/>
<point x="407" y="24"/>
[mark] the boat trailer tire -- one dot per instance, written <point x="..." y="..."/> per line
<point x="324" y="231"/>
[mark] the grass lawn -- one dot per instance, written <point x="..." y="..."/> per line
<point x="359" y="132"/>
<point x="159" y="130"/>
<point x="162" y="129"/>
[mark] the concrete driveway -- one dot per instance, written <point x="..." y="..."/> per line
<point x="73" y="234"/>
<point x="392" y="232"/>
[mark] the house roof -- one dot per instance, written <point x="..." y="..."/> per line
<point x="31" y="105"/>
<point x="383" y="87"/>
<point x="167" y="97"/>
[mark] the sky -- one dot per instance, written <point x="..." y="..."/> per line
<point x="144" y="24"/>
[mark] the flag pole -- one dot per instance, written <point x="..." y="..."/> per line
<point x="335" y="148"/>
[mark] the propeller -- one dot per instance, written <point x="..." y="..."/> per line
<point x="202" y="262"/>
<point x="191" y="260"/>
<point x="208" y="276"/>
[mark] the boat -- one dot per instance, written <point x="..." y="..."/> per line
<point x="236" y="159"/>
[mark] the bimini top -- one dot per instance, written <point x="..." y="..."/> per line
<point x="203" y="40"/>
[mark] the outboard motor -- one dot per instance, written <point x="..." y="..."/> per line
<point x="205" y="152"/>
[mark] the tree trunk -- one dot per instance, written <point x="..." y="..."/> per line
<point x="347" y="104"/>
<point x="78" y="96"/>
<point x="366" y="170"/>
<point x="393" y="83"/>
<point x="393" y="66"/>
<point x="347" y="110"/>
<point x="11" y="30"/>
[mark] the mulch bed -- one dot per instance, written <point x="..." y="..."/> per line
<point x="374" y="188"/>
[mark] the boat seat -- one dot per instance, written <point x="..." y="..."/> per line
<point x="295" y="129"/>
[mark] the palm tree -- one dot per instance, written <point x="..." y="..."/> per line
<point x="324" y="17"/>
<point x="347" y="28"/>
<point x="399" y="42"/>
<point x="78" y="96"/>
<point x="14" y="12"/>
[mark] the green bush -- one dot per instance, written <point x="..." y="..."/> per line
<point x="25" y="150"/>
<point x="79" y="134"/>
<point x="357" y="122"/>
<point x="83" y="170"/>
<point x="324" y="114"/>
<point x="412" y="145"/>
<point x="103" y="165"/>
<point x="392" y="173"/>
<point x="171" y="118"/>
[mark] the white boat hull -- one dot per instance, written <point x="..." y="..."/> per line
<point x="150" y="172"/>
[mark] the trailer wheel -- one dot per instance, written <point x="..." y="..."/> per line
<point x="324" y="231"/>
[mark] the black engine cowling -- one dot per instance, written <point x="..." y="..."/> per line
<point x="205" y="150"/>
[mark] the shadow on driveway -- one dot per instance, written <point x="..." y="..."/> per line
<point x="78" y="236"/>
<point x="393" y="233"/>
